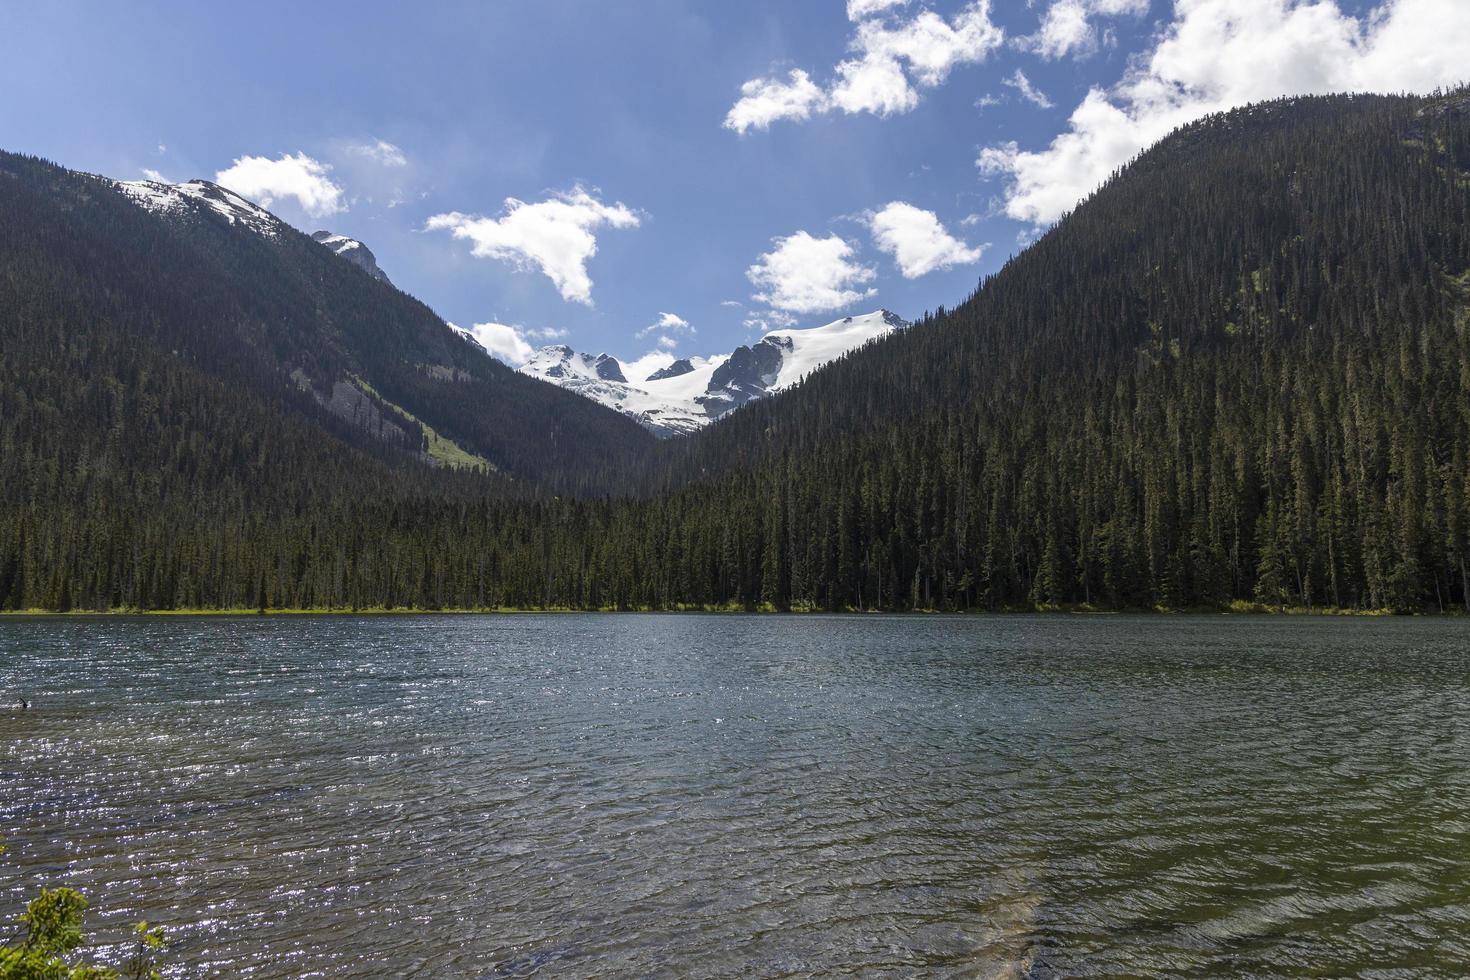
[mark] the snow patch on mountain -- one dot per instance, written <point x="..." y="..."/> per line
<point x="687" y="394"/>
<point x="561" y="363"/>
<point x="200" y="195"/>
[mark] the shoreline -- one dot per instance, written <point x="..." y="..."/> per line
<point x="1236" y="608"/>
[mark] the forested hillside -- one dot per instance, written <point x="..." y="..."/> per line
<point x="207" y="350"/>
<point x="1240" y="370"/>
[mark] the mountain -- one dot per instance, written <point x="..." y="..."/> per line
<point x="685" y="396"/>
<point x="353" y="251"/>
<point x="163" y="332"/>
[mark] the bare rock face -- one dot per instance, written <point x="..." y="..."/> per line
<point x="750" y="371"/>
<point x="678" y="369"/>
<point x="353" y="251"/>
<point x="608" y="368"/>
<point x="350" y="403"/>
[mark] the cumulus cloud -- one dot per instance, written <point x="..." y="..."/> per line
<point x="505" y="341"/>
<point x="1027" y="91"/>
<point x="1067" y="28"/>
<point x="1218" y="54"/>
<point x="765" y="100"/>
<point x="930" y="45"/>
<point x="1064" y="29"/>
<point x="666" y="323"/>
<point x="803" y="274"/>
<point x="380" y="152"/>
<point x="298" y="176"/>
<point x="917" y="241"/>
<point x="639" y="368"/>
<point x="891" y="62"/>
<point x="874" y="83"/>
<point x="150" y="174"/>
<point x="860" y="9"/>
<point x="554" y="236"/>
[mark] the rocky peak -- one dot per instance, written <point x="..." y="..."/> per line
<point x="353" y="251"/>
<point x="679" y="368"/>
<point x="750" y="371"/>
<point x="608" y="369"/>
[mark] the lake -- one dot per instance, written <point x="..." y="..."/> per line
<point x="734" y="796"/>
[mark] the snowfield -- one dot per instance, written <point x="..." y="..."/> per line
<point x="715" y="385"/>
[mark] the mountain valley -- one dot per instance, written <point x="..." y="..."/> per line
<point x="1215" y="381"/>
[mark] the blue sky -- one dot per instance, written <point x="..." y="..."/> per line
<point x="722" y="193"/>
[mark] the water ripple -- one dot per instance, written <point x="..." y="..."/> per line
<point x="732" y="796"/>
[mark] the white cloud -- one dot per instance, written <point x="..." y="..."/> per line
<point x="930" y="45"/>
<point x="639" y="368"/>
<point x="162" y="149"/>
<point x="874" y="83"/>
<point x="765" y="321"/>
<point x="379" y="151"/>
<point x="505" y="341"/>
<point x="667" y="343"/>
<point x="266" y="181"/>
<point x="1067" y="26"/>
<point x="1064" y="29"/>
<point x="859" y="9"/>
<point x="547" y="333"/>
<point x="765" y="100"/>
<point x="803" y="274"/>
<point x="891" y="62"/>
<point x="917" y="241"/>
<point x="150" y="174"/>
<point x="1029" y="92"/>
<point x="667" y="323"/>
<point x="986" y="101"/>
<point x="554" y="236"/>
<point x="1218" y="54"/>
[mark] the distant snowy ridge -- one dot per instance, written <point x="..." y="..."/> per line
<point x="689" y="394"/>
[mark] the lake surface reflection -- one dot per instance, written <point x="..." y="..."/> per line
<point x="749" y="796"/>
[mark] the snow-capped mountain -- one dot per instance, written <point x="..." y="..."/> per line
<point x="353" y="251"/>
<point x="201" y="195"/>
<point x="688" y="394"/>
